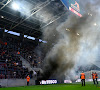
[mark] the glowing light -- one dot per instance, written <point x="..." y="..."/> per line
<point x="6" y="30"/>
<point x="25" y="36"/>
<point x="95" y="24"/>
<point x="44" y="41"/>
<point x="67" y="29"/>
<point x="2" y="16"/>
<point x="15" y="6"/>
<point x="40" y="40"/>
<point x="32" y="38"/>
<point x="14" y="33"/>
<point x="78" y="34"/>
<point x="90" y="14"/>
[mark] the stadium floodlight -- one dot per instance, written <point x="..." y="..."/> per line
<point x="44" y="41"/>
<point x="32" y="38"/>
<point x="25" y="36"/>
<point x="13" y="33"/>
<point x="15" y="6"/>
<point x="6" y="30"/>
<point x="40" y="40"/>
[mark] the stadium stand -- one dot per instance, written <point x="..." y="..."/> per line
<point x="11" y="48"/>
<point x="10" y="63"/>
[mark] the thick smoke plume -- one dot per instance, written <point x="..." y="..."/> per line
<point x="72" y="43"/>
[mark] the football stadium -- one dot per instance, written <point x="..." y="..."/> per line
<point x="49" y="44"/>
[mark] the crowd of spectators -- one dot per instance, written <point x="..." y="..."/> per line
<point x="29" y="52"/>
<point x="10" y="63"/>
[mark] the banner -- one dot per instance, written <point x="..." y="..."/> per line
<point x="48" y="82"/>
<point x="73" y="6"/>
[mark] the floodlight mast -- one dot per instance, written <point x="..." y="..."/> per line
<point x="34" y="12"/>
<point x="5" y="4"/>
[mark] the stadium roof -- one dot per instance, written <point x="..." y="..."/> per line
<point x="30" y="16"/>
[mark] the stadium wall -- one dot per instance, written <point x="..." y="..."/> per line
<point x="15" y="82"/>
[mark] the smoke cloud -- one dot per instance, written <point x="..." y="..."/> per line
<point x="72" y="43"/>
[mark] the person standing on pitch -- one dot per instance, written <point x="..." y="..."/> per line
<point x="96" y="77"/>
<point x="93" y="77"/>
<point x="82" y="76"/>
<point x="28" y="79"/>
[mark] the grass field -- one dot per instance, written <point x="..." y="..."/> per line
<point x="56" y="87"/>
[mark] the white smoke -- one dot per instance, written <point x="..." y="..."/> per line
<point x="76" y="42"/>
<point x="44" y="16"/>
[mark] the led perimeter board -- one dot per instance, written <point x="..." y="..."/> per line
<point x="73" y="6"/>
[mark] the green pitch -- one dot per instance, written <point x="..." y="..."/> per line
<point x="56" y="87"/>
